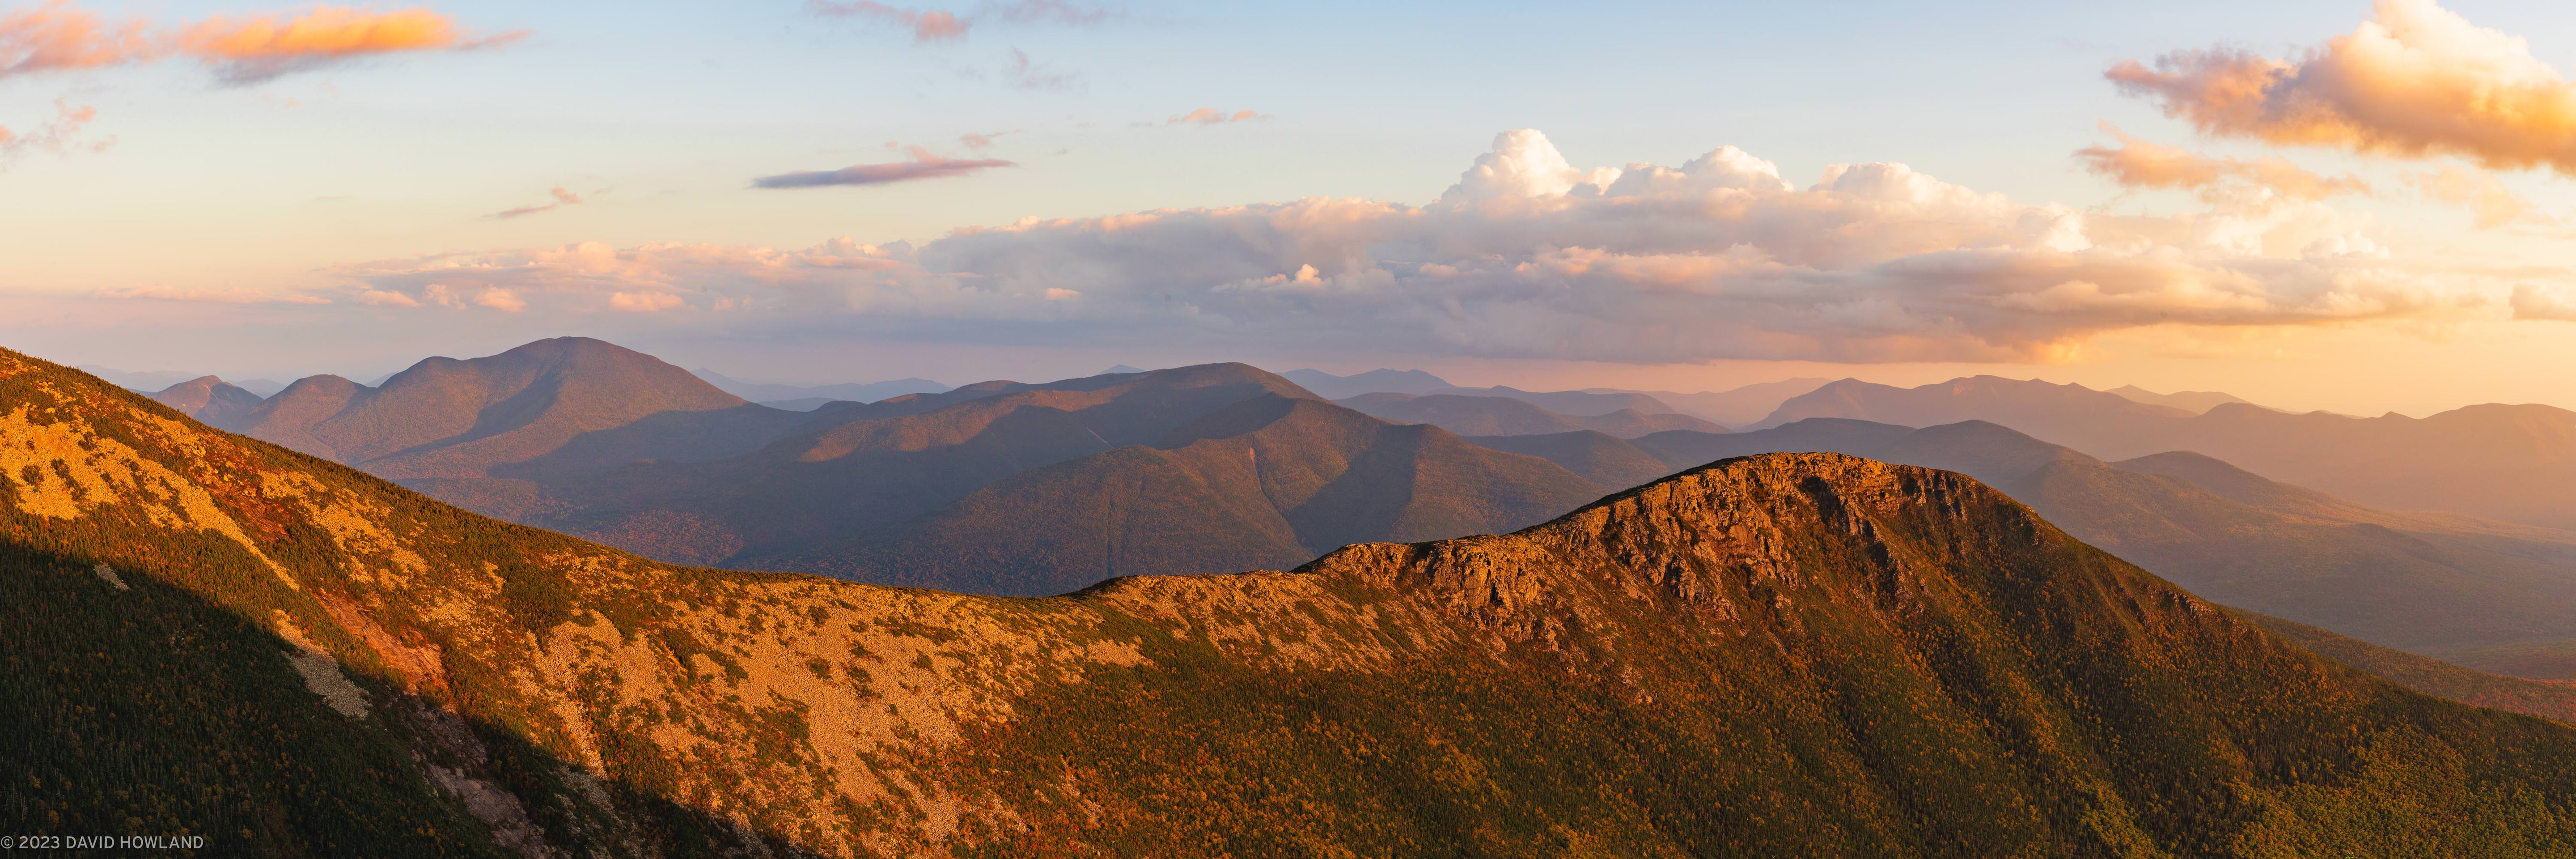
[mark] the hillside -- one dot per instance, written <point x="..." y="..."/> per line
<point x="2432" y="676"/>
<point x="1266" y="482"/>
<point x="1497" y="415"/>
<point x="1784" y="655"/>
<point x="2071" y="415"/>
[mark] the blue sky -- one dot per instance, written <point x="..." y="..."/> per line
<point x="659" y="115"/>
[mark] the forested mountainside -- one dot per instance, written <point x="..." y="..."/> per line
<point x="1781" y="655"/>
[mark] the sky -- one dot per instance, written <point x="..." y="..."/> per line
<point x="2315" y="205"/>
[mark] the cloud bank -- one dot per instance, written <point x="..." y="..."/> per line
<point x="2417" y="80"/>
<point x="1525" y="256"/>
<point x="922" y="166"/>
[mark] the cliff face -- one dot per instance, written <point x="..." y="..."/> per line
<point x="1792" y="654"/>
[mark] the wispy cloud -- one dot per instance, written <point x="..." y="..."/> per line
<point x="923" y="165"/>
<point x="59" y="37"/>
<point x="1023" y="74"/>
<point x="979" y="141"/>
<point x="2137" y="163"/>
<point x="256" y="49"/>
<point x="941" y="25"/>
<point x="60" y="134"/>
<point x="228" y="295"/>
<point x="2417" y="80"/>
<point x="1213" y="116"/>
<point x="563" y="197"/>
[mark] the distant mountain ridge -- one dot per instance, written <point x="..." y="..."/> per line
<point x="568" y="398"/>
<point x="209" y="399"/>
<point x="860" y="392"/>
<point x="2510" y="462"/>
<point x="1499" y="415"/>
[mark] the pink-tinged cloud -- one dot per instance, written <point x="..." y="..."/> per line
<point x="922" y="166"/>
<point x="257" y="49"/>
<point x="975" y="141"/>
<point x="927" y="25"/>
<point x="1213" y="116"/>
<point x="2137" y="163"/>
<point x="940" y="25"/>
<point x="60" y="135"/>
<point x="58" y="36"/>
<point x="2418" y="80"/>
<point x="563" y="197"/>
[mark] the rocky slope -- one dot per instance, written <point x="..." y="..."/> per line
<point x="1783" y="655"/>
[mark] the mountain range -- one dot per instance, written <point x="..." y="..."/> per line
<point x="2515" y="463"/>
<point x="1787" y="654"/>
<point x="805" y="398"/>
<point x="1483" y="415"/>
<point x="1734" y="407"/>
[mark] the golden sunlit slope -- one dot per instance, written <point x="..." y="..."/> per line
<point x="1781" y="655"/>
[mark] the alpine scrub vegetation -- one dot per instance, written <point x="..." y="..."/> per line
<point x="1787" y="654"/>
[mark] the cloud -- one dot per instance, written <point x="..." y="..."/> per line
<point x="643" y="302"/>
<point x="940" y="25"/>
<point x="931" y="25"/>
<point x="59" y="135"/>
<point x="977" y="141"/>
<point x="506" y="301"/>
<point x="59" y="36"/>
<point x="257" y="49"/>
<point x="2484" y="195"/>
<point x="563" y="197"/>
<point x="2530" y="302"/>
<point x="1024" y="75"/>
<point x="1530" y="256"/>
<point x="2139" y="163"/>
<point x="1213" y="116"/>
<point x="2418" y="80"/>
<point x="922" y="166"/>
